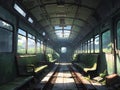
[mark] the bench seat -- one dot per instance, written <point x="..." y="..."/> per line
<point x="87" y="64"/>
<point x="91" y="69"/>
<point x="86" y="69"/>
<point x="35" y="70"/>
<point x="17" y="83"/>
<point x="40" y="68"/>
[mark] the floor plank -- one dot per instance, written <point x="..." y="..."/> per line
<point x="64" y="79"/>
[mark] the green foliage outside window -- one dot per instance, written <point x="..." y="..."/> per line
<point x="38" y="47"/>
<point x="96" y="42"/>
<point x="6" y="35"/>
<point x="31" y="46"/>
<point x="106" y="42"/>
<point x="21" y="47"/>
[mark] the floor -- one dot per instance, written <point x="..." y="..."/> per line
<point x="64" y="79"/>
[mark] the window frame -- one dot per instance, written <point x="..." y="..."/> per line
<point x="92" y="45"/>
<point x="33" y="38"/>
<point x="102" y="40"/>
<point x="23" y="10"/>
<point x="23" y="36"/>
<point x="30" y="20"/>
<point x="38" y="41"/>
<point x="8" y="22"/>
<point x="96" y="36"/>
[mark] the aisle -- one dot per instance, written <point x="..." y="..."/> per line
<point x="64" y="79"/>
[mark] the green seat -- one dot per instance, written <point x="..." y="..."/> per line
<point x="40" y="68"/>
<point x="33" y="69"/>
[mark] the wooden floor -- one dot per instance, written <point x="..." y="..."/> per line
<point x="64" y="79"/>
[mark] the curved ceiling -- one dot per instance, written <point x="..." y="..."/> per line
<point x="64" y="20"/>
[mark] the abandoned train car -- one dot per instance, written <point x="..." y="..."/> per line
<point x="44" y="38"/>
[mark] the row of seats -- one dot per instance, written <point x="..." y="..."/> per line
<point x="26" y="77"/>
<point x="87" y="63"/>
<point x="24" y="81"/>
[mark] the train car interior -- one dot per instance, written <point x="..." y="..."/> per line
<point x="59" y="44"/>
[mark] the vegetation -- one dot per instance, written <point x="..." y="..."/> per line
<point x="106" y="42"/>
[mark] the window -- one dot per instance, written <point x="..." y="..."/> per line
<point x="59" y="33"/>
<point x="66" y="34"/>
<point x="19" y="10"/>
<point x="5" y="25"/>
<point x="42" y="47"/>
<point x="49" y="50"/>
<point x="43" y="33"/>
<point x="91" y="45"/>
<point x="6" y="37"/>
<point x="38" y="46"/>
<point x="21" y="45"/>
<point x="30" y="20"/>
<point x="68" y="27"/>
<point x="79" y="49"/>
<point x="118" y="35"/>
<point x="63" y="49"/>
<point x="57" y="27"/>
<point x="63" y="31"/>
<point x="96" y="42"/>
<point x="31" y="36"/>
<point x="106" y="41"/>
<point x="83" y="47"/>
<point x="88" y="46"/>
<point x="21" y="32"/>
<point x="31" y="44"/>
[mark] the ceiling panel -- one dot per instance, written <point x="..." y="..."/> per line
<point x="48" y="1"/>
<point x="37" y="13"/>
<point x="51" y="8"/>
<point x="45" y="23"/>
<point x="79" y="23"/>
<point x="30" y="3"/>
<point x="55" y="21"/>
<point x="91" y="3"/>
<point x="68" y="21"/>
<point x="84" y="13"/>
<point x="69" y="1"/>
<point x="77" y="13"/>
<point x="49" y="28"/>
<point x="76" y="29"/>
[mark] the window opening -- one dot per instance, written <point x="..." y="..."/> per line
<point x="31" y="44"/>
<point x="21" y="45"/>
<point x="63" y="49"/>
<point x="19" y="10"/>
<point x="6" y="36"/>
<point x="96" y="42"/>
<point x="106" y="41"/>
<point x="30" y="20"/>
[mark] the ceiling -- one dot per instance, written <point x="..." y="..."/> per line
<point x="79" y="15"/>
